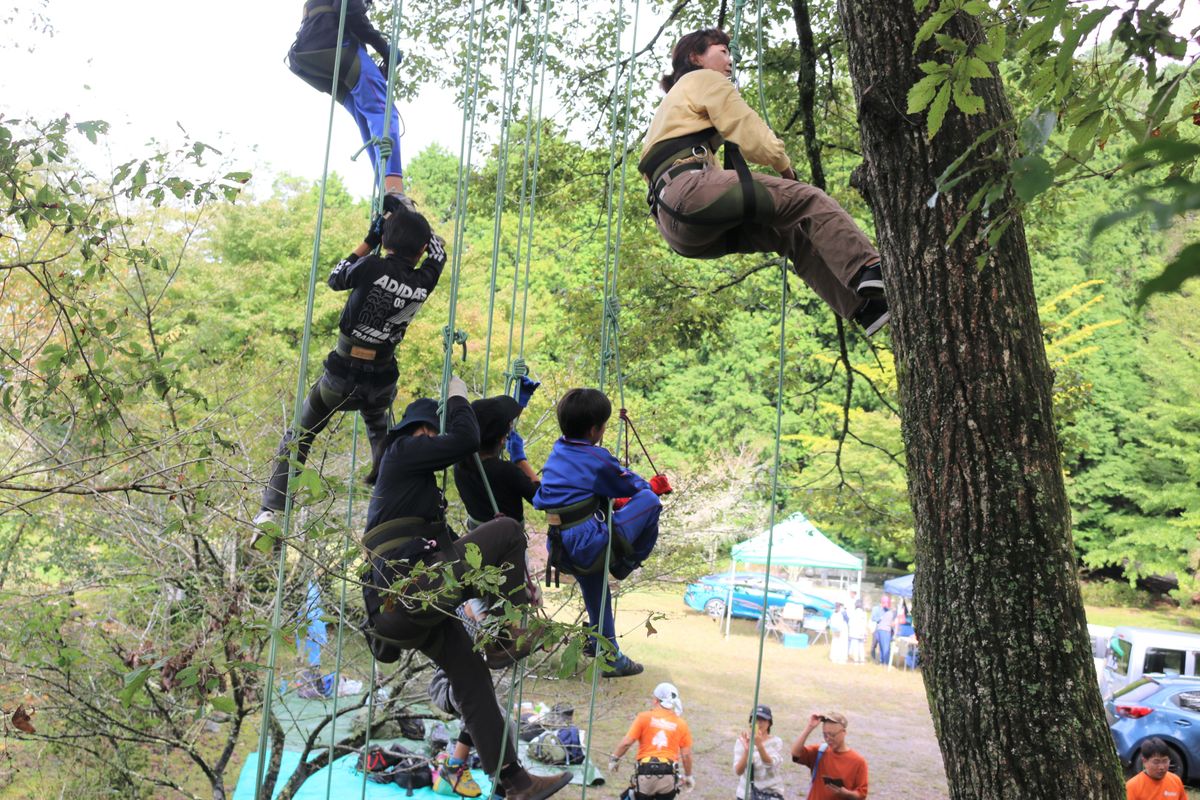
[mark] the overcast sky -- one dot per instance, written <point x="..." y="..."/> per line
<point x="216" y="69"/>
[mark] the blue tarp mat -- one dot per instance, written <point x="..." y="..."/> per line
<point x="347" y="781"/>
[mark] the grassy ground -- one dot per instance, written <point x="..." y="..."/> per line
<point x="889" y="719"/>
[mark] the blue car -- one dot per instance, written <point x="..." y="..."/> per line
<point x="710" y="593"/>
<point x="1158" y="705"/>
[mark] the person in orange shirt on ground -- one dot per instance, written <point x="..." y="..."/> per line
<point x="838" y="773"/>
<point x="1155" y="781"/>
<point x="664" y="742"/>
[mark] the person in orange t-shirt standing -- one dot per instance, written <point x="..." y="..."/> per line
<point x="1155" y="781"/>
<point x="838" y="773"/>
<point x="664" y="743"/>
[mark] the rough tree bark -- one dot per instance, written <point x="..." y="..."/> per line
<point x="1006" y="660"/>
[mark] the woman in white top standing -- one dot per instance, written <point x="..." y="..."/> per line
<point x="768" y="758"/>
<point x="857" y="632"/>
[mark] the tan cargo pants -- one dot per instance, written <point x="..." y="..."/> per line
<point x="794" y="219"/>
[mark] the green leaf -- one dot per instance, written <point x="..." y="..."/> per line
<point x="1185" y="266"/>
<point x="951" y="44"/>
<point x="968" y="103"/>
<point x="134" y="681"/>
<point x="1032" y="175"/>
<point x="308" y="480"/>
<point x="223" y="703"/>
<point x="975" y="7"/>
<point x="993" y="49"/>
<point x="1084" y="136"/>
<point x="978" y="68"/>
<point x="937" y="111"/>
<point x="188" y="676"/>
<point x="1040" y="32"/>
<point x="923" y="91"/>
<point x="933" y="67"/>
<point x="931" y="26"/>
<point x="473" y="555"/>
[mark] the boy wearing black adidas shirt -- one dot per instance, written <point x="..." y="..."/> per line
<point x="386" y="292"/>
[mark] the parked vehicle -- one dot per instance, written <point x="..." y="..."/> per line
<point x="1100" y="635"/>
<point x="1158" y="706"/>
<point x="1133" y="652"/>
<point x="710" y="594"/>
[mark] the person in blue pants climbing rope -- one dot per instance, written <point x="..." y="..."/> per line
<point x="362" y="84"/>
<point x="578" y="479"/>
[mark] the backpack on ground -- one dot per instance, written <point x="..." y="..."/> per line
<point x="547" y="749"/>
<point x="572" y="744"/>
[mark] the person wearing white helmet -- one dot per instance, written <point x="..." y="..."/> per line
<point x="664" y="746"/>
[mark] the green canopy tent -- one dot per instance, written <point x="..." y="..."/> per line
<point x="794" y="542"/>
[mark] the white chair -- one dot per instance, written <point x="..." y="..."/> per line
<point x="817" y="627"/>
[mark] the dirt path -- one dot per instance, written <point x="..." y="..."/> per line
<point x="889" y="718"/>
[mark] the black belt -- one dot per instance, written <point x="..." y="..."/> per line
<point x="397" y="533"/>
<point x="563" y="519"/>
<point x="655" y="767"/>
<point x="363" y="351"/>
<point x="676" y="171"/>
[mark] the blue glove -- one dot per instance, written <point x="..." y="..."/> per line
<point x="516" y="448"/>
<point x="526" y="389"/>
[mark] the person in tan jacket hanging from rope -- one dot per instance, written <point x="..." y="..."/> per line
<point x="703" y="211"/>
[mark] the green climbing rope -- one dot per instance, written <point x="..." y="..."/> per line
<point x="301" y="384"/>
<point x="779" y="395"/>
<point x="510" y="79"/>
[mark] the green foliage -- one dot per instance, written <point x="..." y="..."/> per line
<point x="1116" y="594"/>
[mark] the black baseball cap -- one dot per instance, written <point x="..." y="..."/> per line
<point x="763" y="712"/>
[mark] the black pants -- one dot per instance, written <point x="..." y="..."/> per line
<point x="445" y="642"/>
<point x="355" y="392"/>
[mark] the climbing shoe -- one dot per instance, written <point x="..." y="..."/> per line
<point x="456" y="780"/>
<point x="869" y="282"/>
<point x="395" y="200"/>
<point x="622" y="667"/>
<point x="264" y="516"/>
<point x="873" y="315"/>
<point x="524" y="786"/>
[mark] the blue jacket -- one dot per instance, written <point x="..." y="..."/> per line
<point x="576" y="471"/>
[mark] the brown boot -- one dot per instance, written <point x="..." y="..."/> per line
<point x="524" y="786"/>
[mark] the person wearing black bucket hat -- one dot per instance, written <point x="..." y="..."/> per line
<point x="513" y="482"/>
<point x="409" y="601"/>
<point x="768" y="759"/>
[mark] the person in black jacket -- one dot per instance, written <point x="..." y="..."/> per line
<point x="386" y="292"/>
<point x="362" y="84"/>
<point x="513" y="482"/>
<point x="408" y="543"/>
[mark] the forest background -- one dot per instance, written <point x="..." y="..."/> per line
<point x="154" y="317"/>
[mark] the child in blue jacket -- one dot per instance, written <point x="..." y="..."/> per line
<point x="579" y="470"/>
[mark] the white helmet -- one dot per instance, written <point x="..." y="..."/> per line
<point x="668" y="697"/>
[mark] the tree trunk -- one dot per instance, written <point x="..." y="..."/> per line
<point x="1004" y="647"/>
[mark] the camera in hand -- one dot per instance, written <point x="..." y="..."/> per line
<point x="832" y="781"/>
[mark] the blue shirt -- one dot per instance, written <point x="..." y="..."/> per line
<point x="578" y="470"/>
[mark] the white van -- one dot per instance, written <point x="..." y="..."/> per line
<point x="1135" y="651"/>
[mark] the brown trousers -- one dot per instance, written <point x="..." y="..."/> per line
<point x="826" y="247"/>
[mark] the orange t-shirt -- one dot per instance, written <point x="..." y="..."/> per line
<point x="1143" y="787"/>
<point x="660" y="734"/>
<point x="849" y="767"/>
